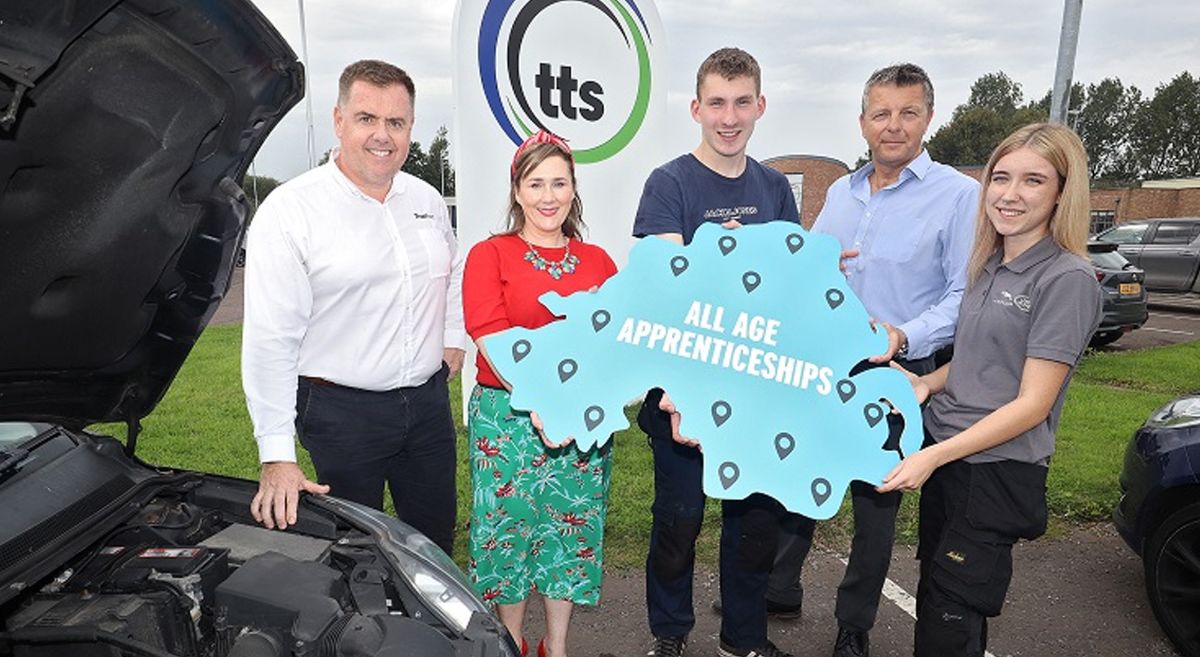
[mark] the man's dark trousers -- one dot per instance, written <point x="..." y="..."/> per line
<point x="870" y="551"/>
<point x="748" y="535"/>
<point x="678" y="511"/>
<point x="359" y="439"/>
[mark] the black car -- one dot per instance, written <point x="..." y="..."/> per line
<point x="1124" y="293"/>
<point x="1159" y="516"/>
<point x="124" y="126"/>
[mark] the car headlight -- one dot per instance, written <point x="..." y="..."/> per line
<point x="1179" y="414"/>
<point x="428" y="571"/>
<point x="454" y="603"/>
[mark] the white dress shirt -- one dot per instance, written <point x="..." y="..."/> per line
<point x="344" y="288"/>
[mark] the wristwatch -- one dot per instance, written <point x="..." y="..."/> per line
<point x="902" y="352"/>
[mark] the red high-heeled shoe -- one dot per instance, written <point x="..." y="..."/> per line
<point x="524" y="648"/>
<point x="542" y="648"/>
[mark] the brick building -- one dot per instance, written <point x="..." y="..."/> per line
<point x="810" y="176"/>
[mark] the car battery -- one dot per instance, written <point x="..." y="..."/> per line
<point x="193" y="570"/>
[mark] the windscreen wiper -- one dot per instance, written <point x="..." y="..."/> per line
<point x="11" y="461"/>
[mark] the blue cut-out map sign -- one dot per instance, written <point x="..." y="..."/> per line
<point x="753" y="333"/>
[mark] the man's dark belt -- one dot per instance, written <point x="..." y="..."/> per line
<point x="319" y="381"/>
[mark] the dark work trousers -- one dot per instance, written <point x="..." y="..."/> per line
<point x="870" y="551"/>
<point x="678" y="511"/>
<point x="359" y="439"/>
<point x="750" y="531"/>
<point x="748" y="535"/>
<point x="971" y="514"/>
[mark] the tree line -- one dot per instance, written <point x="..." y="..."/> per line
<point x="1128" y="137"/>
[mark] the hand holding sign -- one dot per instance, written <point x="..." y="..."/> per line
<point x="754" y="333"/>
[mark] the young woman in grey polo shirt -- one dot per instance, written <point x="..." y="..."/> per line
<point x="1031" y="305"/>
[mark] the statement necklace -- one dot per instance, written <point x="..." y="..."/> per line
<point x="554" y="269"/>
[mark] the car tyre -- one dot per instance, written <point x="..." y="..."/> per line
<point x="1172" y="566"/>
<point x="1105" y="338"/>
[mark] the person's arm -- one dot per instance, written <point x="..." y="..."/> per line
<point x="927" y="385"/>
<point x="278" y="301"/>
<point x="455" y="335"/>
<point x="1040" y="382"/>
<point x="934" y="327"/>
<point x="483" y="309"/>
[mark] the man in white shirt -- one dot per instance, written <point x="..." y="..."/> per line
<point x="353" y="321"/>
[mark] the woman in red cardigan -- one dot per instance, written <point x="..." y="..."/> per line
<point x="537" y="515"/>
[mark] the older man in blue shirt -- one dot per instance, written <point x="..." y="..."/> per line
<point x="906" y="225"/>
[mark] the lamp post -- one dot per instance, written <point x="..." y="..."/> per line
<point x="308" y="110"/>
<point x="1060" y="99"/>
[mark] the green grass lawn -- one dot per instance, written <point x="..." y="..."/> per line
<point x="202" y="424"/>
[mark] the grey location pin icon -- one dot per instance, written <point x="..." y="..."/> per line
<point x="679" y="264"/>
<point x="834" y="297"/>
<point x="592" y="417"/>
<point x="750" y="280"/>
<point x="727" y="244"/>
<point x="846" y="390"/>
<point x="795" y="242"/>
<point x="821" y="490"/>
<point x="566" y="369"/>
<point x="728" y="473"/>
<point x="721" y="410"/>
<point x="600" y="319"/>
<point x="784" y="444"/>
<point x="873" y="413"/>
<point x="520" y="350"/>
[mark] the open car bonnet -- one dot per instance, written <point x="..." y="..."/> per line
<point x="125" y="127"/>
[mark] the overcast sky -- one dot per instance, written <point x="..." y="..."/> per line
<point x="815" y="58"/>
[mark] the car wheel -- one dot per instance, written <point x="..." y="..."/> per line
<point x="1104" y="338"/>
<point x="1172" y="561"/>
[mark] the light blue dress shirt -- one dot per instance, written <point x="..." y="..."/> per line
<point x="914" y="237"/>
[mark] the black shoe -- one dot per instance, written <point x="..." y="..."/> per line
<point x="671" y="646"/>
<point x="851" y="643"/>
<point x="774" y="610"/>
<point x="769" y="650"/>
<point x="782" y="611"/>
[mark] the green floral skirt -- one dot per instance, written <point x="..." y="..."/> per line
<point x="537" y="514"/>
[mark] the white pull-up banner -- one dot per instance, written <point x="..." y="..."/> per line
<point x="591" y="71"/>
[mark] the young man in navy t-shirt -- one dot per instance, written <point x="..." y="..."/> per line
<point x="715" y="183"/>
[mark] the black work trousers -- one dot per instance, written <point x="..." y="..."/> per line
<point x="971" y="515"/>
<point x="360" y="439"/>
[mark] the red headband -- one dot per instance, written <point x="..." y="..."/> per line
<point x="542" y="137"/>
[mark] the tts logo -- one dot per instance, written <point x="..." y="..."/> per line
<point x="566" y="85"/>
<point x="607" y="122"/>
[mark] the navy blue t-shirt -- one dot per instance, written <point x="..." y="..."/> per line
<point x="682" y="194"/>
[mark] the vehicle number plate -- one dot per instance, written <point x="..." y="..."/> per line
<point x="1130" y="289"/>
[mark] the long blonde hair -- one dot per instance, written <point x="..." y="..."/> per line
<point x="1069" y="224"/>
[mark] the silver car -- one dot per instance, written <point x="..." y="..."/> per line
<point x="1167" y="249"/>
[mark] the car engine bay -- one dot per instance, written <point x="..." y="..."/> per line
<point x="179" y="579"/>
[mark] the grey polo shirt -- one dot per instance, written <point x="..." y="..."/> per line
<point x="1044" y="304"/>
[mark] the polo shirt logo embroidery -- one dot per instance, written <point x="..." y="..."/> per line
<point x="1020" y="302"/>
<point x="957" y="557"/>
